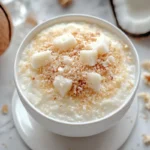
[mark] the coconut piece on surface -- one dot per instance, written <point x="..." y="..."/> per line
<point x="93" y="80"/>
<point x="62" y="85"/>
<point x="41" y="59"/>
<point x="65" y="42"/>
<point x="88" y="57"/>
<point x="146" y="97"/>
<point x="102" y="45"/>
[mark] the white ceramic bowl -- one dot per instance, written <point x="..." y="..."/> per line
<point x="85" y="128"/>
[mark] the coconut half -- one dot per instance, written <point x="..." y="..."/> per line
<point x="132" y="16"/>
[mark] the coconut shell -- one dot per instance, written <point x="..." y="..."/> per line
<point x="127" y="32"/>
<point x="5" y="29"/>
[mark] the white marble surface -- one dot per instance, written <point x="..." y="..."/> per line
<point x="44" y="9"/>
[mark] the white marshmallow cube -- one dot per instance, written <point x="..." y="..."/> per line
<point x="88" y="57"/>
<point x="41" y="59"/>
<point x="93" y="80"/>
<point x="65" y="41"/>
<point x="102" y="45"/>
<point x="62" y="85"/>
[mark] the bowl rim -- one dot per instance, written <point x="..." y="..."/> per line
<point x="108" y="116"/>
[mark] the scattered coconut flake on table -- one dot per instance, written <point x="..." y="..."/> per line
<point x="116" y="44"/>
<point x="31" y="19"/>
<point x="146" y="77"/>
<point x="146" y="65"/>
<point x="146" y="97"/>
<point x="146" y="139"/>
<point x="65" y="3"/>
<point x="67" y="60"/>
<point x="4" y="109"/>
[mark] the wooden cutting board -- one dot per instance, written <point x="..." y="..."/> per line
<point x="5" y="29"/>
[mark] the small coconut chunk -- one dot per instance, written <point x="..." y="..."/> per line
<point x="65" y="42"/>
<point x="88" y="57"/>
<point x="41" y="59"/>
<point x="102" y="45"/>
<point x="90" y="46"/>
<point x="62" y="85"/>
<point x="67" y="60"/>
<point x="146" y="65"/>
<point x="146" y="139"/>
<point x="93" y="80"/>
<point x="73" y="27"/>
<point x="126" y="46"/>
<point x="146" y="77"/>
<point x="110" y="59"/>
<point x="146" y="97"/>
<point x="60" y="69"/>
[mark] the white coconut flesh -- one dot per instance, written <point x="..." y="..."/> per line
<point x="133" y="16"/>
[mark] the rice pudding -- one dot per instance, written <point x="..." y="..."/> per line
<point x="76" y="72"/>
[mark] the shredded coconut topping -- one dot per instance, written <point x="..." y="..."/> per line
<point x="67" y="63"/>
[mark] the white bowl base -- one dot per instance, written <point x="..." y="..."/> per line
<point x="38" y="138"/>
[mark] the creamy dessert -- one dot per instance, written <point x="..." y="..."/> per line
<point x="76" y="72"/>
